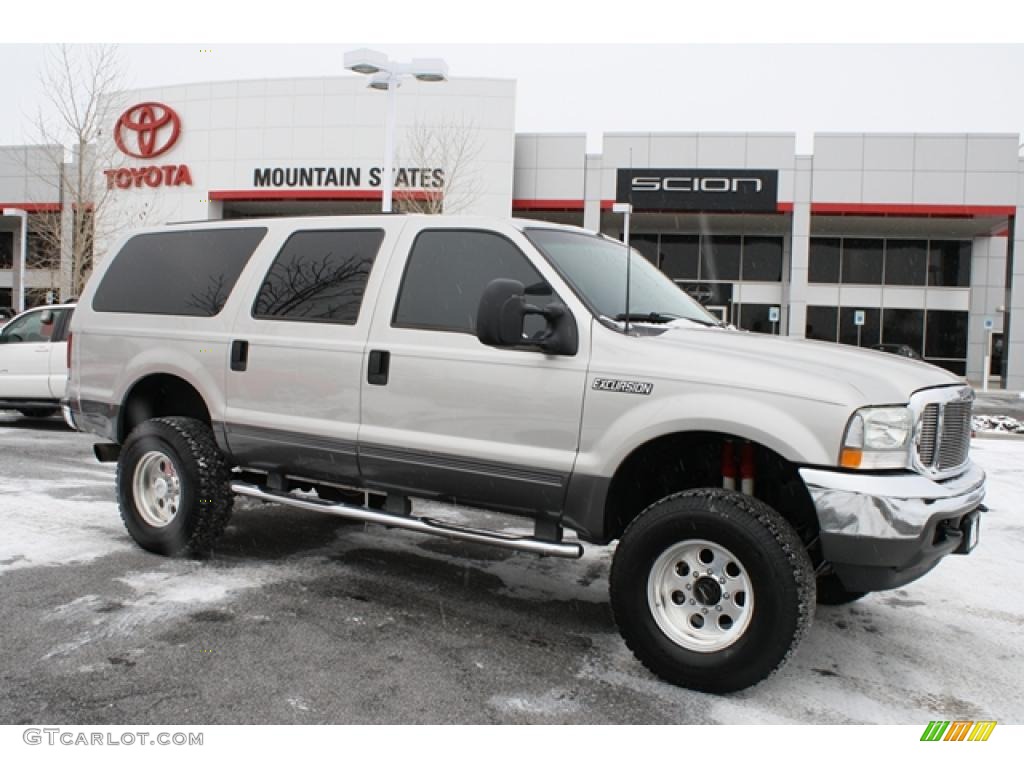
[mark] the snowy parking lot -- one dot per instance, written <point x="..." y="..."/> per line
<point x="304" y="618"/>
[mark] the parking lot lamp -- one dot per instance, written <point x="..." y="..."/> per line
<point x="386" y="75"/>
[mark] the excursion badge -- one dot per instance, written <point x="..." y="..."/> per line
<point x="628" y="387"/>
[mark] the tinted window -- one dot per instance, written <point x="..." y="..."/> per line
<point x="862" y="261"/>
<point x="869" y="332"/>
<point x="319" y="277"/>
<point x="755" y="317"/>
<point x="189" y="273"/>
<point x="904" y="326"/>
<point x="947" y="334"/>
<point x="949" y="263"/>
<point x="680" y="255"/>
<point x="6" y="250"/>
<point x="762" y="259"/>
<point x="720" y="258"/>
<point x="823" y="266"/>
<point x="447" y="273"/>
<point x="906" y="262"/>
<point x="821" y="323"/>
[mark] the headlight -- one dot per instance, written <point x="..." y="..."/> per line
<point x="877" y="438"/>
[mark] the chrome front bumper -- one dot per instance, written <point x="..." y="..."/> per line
<point x="881" y="531"/>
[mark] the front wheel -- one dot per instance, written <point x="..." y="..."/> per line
<point x="173" y="486"/>
<point x="712" y="590"/>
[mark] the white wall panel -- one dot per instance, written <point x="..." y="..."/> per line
<point x="940" y="153"/>
<point x="839" y="152"/>
<point x="836" y="186"/>
<point x="939" y="188"/>
<point x="722" y="150"/>
<point x="888" y="152"/>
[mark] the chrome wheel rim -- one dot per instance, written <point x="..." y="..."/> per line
<point x="157" y="489"/>
<point x="700" y="595"/>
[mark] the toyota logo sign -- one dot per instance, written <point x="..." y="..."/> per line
<point x="147" y="130"/>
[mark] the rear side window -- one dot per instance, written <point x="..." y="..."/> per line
<point x="319" y="277"/>
<point x="447" y="273"/>
<point x="187" y="273"/>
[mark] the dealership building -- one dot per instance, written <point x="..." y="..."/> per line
<point x="871" y="239"/>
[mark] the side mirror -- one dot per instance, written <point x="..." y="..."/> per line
<point x="47" y="317"/>
<point x="502" y="311"/>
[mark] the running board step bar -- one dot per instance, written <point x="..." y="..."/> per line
<point x="419" y="524"/>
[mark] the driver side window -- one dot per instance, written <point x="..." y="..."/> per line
<point x="447" y="273"/>
<point x="27" y="329"/>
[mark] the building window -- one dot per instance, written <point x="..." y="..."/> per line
<point x="6" y="250"/>
<point x="906" y="262"/>
<point x="762" y="259"/>
<point x="949" y="263"/>
<point x="822" y="323"/>
<point x="680" y="256"/>
<point x="945" y="334"/>
<point x="870" y="332"/>
<point x="823" y="260"/>
<point x="862" y="261"/>
<point x="904" y="326"/>
<point x="319" y="277"/>
<point x="720" y="258"/>
<point x="755" y="317"/>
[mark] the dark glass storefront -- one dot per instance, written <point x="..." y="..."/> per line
<point x="890" y="261"/>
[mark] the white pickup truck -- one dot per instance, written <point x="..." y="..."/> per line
<point x="495" y="363"/>
<point x="33" y="360"/>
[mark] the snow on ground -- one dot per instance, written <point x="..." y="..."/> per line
<point x="947" y="646"/>
<point x="39" y="529"/>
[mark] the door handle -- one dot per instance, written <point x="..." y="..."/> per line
<point x="378" y="366"/>
<point x="239" y="355"/>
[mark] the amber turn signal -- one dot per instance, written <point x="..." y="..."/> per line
<point x="850" y="458"/>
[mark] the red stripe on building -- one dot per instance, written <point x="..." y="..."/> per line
<point x="318" y="194"/>
<point x="34" y="207"/>
<point x="550" y="205"/>
<point x="913" y="209"/>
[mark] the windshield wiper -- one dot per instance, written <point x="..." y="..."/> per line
<point x="706" y="323"/>
<point x="649" y="317"/>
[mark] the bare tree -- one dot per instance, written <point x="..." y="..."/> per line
<point x="81" y="85"/>
<point x="451" y="148"/>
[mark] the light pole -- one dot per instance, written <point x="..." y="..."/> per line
<point x="386" y="75"/>
<point x="19" y="270"/>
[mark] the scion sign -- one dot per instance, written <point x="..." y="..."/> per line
<point x="698" y="189"/>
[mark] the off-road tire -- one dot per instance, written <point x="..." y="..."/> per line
<point x="773" y="558"/>
<point x="832" y="592"/>
<point x="205" y="486"/>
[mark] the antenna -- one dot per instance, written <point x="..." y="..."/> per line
<point x="626" y="209"/>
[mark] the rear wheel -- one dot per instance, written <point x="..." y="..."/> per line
<point x="712" y="590"/>
<point x="173" y="486"/>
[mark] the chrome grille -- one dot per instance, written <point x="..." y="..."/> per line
<point x="956" y="435"/>
<point x="929" y="434"/>
<point x="944" y="434"/>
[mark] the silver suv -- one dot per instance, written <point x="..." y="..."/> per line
<point x="495" y="363"/>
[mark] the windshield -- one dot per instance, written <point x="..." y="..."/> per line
<point x="596" y="268"/>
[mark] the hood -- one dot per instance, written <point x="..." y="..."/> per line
<point x="819" y="370"/>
